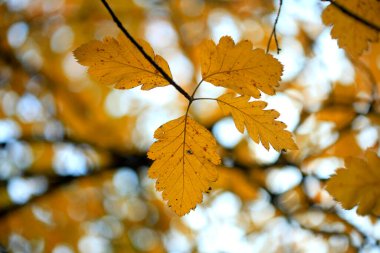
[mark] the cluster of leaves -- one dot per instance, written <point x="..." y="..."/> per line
<point x="353" y="31"/>
<point x="186" y="154"/>
<point x="70" y="205"/>
<point x="356" y="185"/>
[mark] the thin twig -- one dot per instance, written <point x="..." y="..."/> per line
<point x="141" y="49"/>
<point x="353" y="15"/>
<point x="196" y="88"/>
<point x="215" y="99"/>
<point x="273" y="33"/>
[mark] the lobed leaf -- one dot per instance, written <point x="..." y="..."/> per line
<point x="119" y="63"/>
<point x="351" y="34"/>
<point x="260" y="124"/>
<point x="185" y="159"/>
<point x="240" y="68"/>
<point x="358" y="184"/>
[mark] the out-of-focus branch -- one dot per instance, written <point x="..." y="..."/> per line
<point x="3" y="249"/>
<point x="114" y="158"/>
<point x="290" y="216"/>
<point x="308" y="203"/>
<point x="134" y="162"/>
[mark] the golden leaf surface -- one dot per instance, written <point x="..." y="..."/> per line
<point x="119" y="63"/>
<point x="341" y="116"/>
<point x="261" y="124"/>
<point x="185" y="160"/>
<point x="358" y="184"/>
<point x="235" y="180"/>
<point x="240" y="68"/>
<point x="352" y="35"/>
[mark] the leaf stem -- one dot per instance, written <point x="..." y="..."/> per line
<point x="146" y="56"/>
<point x="215" y="99"/>
<point x="196" y="88"/>
<point x="273" y="33"/>
<point x="353" y="15"/>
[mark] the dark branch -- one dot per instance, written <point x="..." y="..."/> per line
<point x="290" y="216"/>
<point x="141" y="49"/>
<point x="56" y="182"/>
<point x="273" y="33"/>
<point x="353" y="15"/>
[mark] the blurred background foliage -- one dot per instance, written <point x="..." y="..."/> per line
<point x="73" y="153"/>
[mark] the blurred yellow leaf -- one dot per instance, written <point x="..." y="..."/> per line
<point x="369" y="71"/>
<point x="343" y="94"/>
<point x="346" y="145"/>
<point x="60" y="212"/>
<point x="261" y="124"/>
<point x="185" y="163"/>
<point x="238" y="182"/>
<point x="240" y="68"/>
<point x="374" y="118"/>
<point x="243" y="154"/>
<point x="5" y="199"/>
<point x="77" y="108"/>
<point x="340" y="115"/>
<point x="118" y="62"/>
<point x="43" y="157"/>
<point x="358" y="184"/>
<point x="351" y="34"/>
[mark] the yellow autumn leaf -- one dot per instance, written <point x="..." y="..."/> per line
<point x="341" y="116"/>
<point x="235" y="180"/>
<point x="261" y="124"/>
<point x="119" y="63"/>
<point x="344" y="95"/>
<point x="346" y="145"/>
<point x="353" y="35"/>
<point x="358" y="184"/>
<point x="185" y="159"/>
<point x="240" y="68"/>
